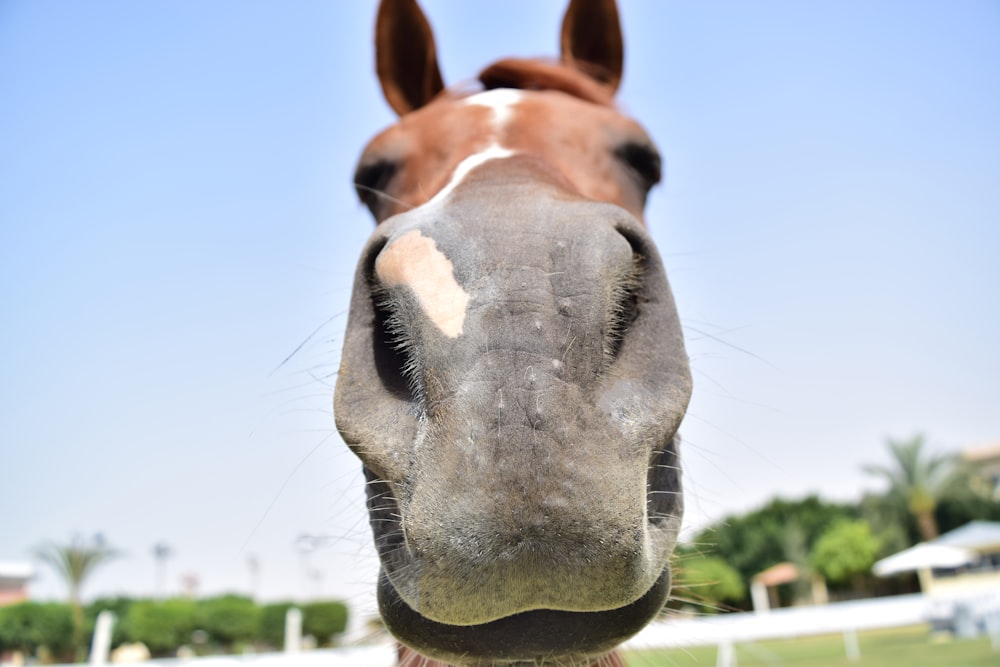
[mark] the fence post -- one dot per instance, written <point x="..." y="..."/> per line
<point x="100" y="644"/>
<point x="293" y="630"/>
<point x="993" y="628"/>
<point x="727" y="655"/>
<point x="851" y="645"/>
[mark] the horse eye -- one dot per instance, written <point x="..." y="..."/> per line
<point x="643" y="160"/>
<point x="371" y="181"/>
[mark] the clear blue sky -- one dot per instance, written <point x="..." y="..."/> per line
<point x="176" y="217"/>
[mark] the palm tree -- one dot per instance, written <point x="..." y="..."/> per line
<point x="74" y="563"/>
<point x="918" y="481"/>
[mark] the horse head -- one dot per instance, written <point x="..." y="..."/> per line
<point x="513" y="373"/>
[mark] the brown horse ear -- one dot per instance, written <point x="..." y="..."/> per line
<point x="592" y="40"/>
<point x="405" y="56"/>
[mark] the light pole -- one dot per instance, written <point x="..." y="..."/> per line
<point x="253" y="564"/>
<point x="161" y="552"/>
<point x="305" y="544"/>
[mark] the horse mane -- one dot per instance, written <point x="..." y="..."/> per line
<point x="536" y="74"/>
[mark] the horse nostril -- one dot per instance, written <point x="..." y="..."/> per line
<point x="392" y="347"/>
<point x="624" y="305"/>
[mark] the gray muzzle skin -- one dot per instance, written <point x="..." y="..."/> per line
<point x="515" y="399"/>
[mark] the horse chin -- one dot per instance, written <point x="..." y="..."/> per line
<point x="575" y="639"/>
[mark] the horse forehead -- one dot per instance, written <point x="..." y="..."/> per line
<point x="547" y="116"/>
<point x="464" y="125"/>
<point x="572" y="136"/>
<point x="445" y="127"/>
<point x="554" y="118"/>
<point x="501" y="101"/>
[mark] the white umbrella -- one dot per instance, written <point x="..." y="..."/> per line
<point x="978" y="535"/>
<point x="923" y="556"/>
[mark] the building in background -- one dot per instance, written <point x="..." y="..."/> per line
<point x="14" y="578"/>
<point x="986" y="463"/>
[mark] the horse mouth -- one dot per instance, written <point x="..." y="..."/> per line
<point x="530" y="638"/>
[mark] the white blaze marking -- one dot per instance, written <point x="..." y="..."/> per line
<point x="493" y="152"/>
<point x="502" y="101"/>
<point x="415" y="261"/>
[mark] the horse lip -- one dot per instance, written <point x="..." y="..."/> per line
<point x="532" y="637"/>
<point x="400" y="557"/>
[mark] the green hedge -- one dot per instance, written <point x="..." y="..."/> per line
<point x="324" y="621"/>
<point x="38" y="628"/>
<point x="229" y="622"/>
<point x="163" y="626"/>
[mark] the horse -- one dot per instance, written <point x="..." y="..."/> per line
<point x="513" y="371"/>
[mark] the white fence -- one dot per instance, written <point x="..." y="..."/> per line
<point x="788" y="622"/>
<point x="968" y="614"/>
<point x="355" y="656"/>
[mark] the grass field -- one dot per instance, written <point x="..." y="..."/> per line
<point x="898" y="647"/>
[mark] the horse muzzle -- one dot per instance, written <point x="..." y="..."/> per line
<point x="513" y="379"/>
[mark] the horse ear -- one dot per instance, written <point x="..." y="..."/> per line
<point x="592" y="40"/>
<point x="405" y="56"/>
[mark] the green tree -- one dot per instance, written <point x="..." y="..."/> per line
<point x="229" y="619"/>
<point x="709" y="582"/>
<point x="163" y="625"/>
<point x="37" y="628"/>
<point x="890" y="521"/>
<point x="74" y="563"/>
<point x="918" y="480"/>
<point x="324" y="620"/>
<point x="796" y="546"/>
<point x="954" y="512"/>
<point x="755" y="541"/>
<point x="847" y="549"/>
